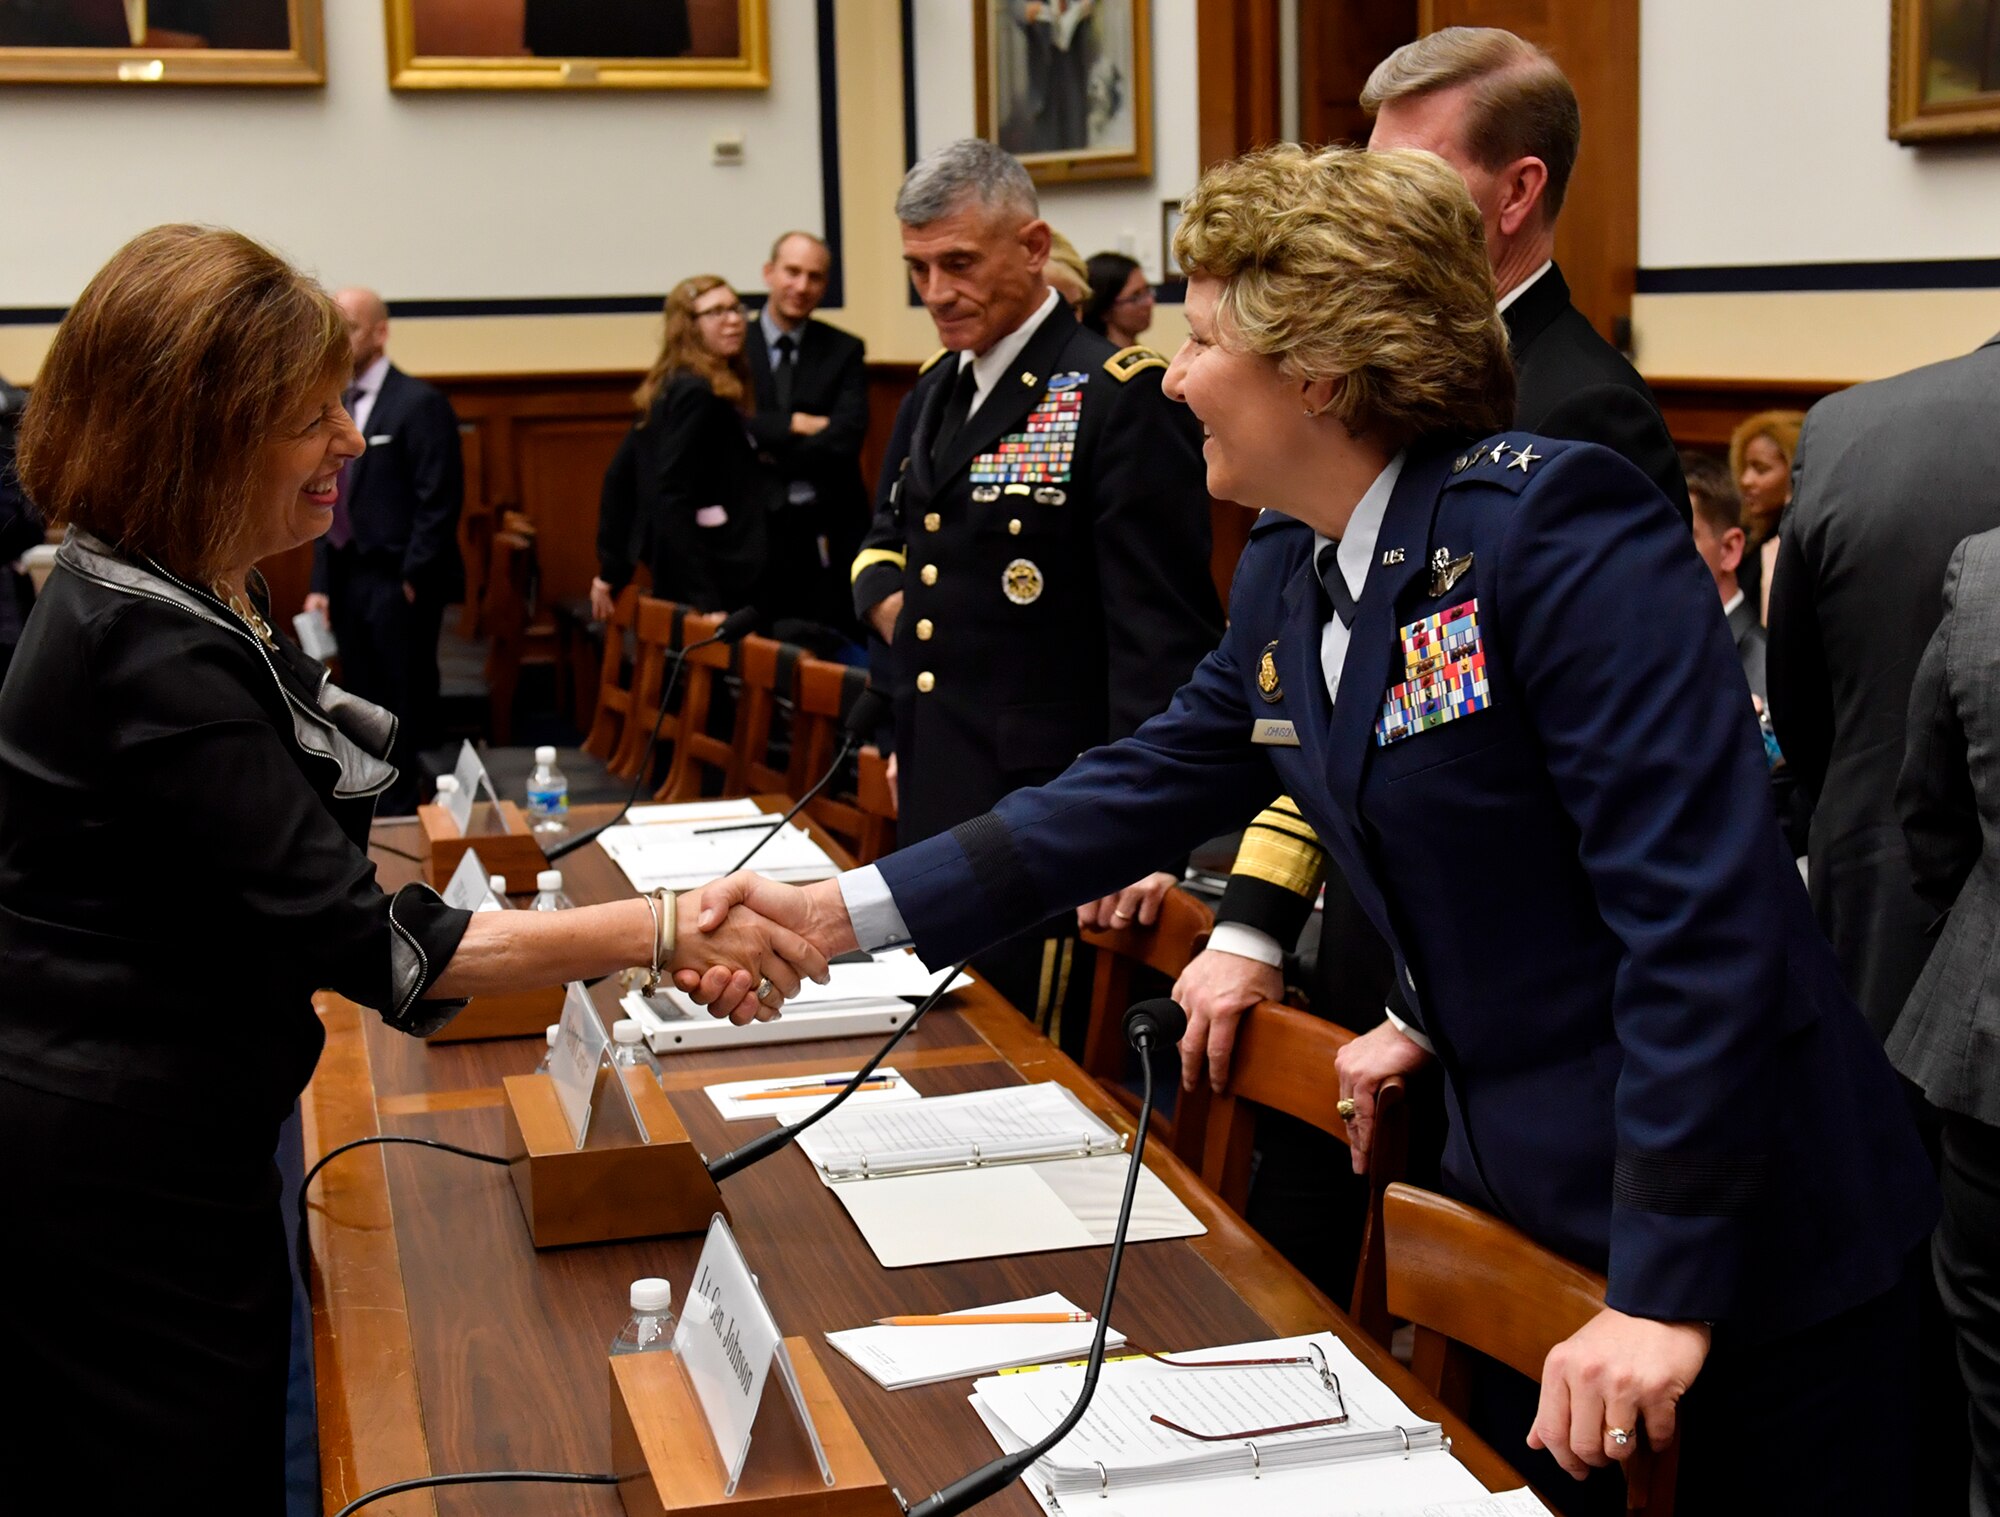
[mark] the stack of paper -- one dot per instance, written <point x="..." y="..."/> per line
<point x="679" y="847"/>
<point x="872" y="996"/>
<point x="1390" y="1461"/>
<point x="1015" y="1124"/>
<point x="900" y="1357"/>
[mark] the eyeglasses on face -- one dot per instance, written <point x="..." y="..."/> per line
<point x="734" y="308"/>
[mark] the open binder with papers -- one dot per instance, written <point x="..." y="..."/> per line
<point x="1020" y="1124"/>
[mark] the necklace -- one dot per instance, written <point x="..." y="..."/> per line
<point x="245" y="612"/>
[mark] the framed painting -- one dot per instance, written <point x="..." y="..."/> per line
<point x="1066" y="86"/>
<point x="143" y="42"/>
<point x="1944" y="69"/>
<point x="566" y="44"/>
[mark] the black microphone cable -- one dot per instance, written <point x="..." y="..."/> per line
<point x="733" y="627"/>
<point x="479" y="1477"/>
<point x="770" y="1142"/>
<point x="335" y="1152"/>
<point x="862" y="717"/>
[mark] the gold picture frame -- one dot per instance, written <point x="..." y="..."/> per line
<point x="1944" y="69"/>
<point x="165" y="42"/>
<point x="525" y="45"/>
<point x="1066" y="86"/>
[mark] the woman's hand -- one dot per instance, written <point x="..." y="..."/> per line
<point x="1615" y="1372"/>
<point x="1138" y="903"/>
<point x="601" y="600"/>
<point x="1362" y="1066"/>
<point x="1215" y="990"/>
<point x="725" y="949"/>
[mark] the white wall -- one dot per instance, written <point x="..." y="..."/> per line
<point x="449" y="195"/>
<point x="1763" y="138"/>
<point x="1121" y="213"/>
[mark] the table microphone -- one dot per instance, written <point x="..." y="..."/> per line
<point x="862" y="718"/>
<point x="1148" y="1025"/>
<point x="770" y="1142"/>
<point x="733" y="627"/>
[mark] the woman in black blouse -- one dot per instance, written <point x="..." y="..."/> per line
<point x="685" y="493"/>
<point x="184" y="808"/>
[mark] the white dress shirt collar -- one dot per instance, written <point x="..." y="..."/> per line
<point x="1357" y="543"/>
<point x="365" y="389"/>
<point x="1525" y="285"/>
<point x="1729" y="606"/>
<point x="990" y="367"/>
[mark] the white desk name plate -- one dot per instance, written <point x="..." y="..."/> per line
<point x="727" y="1341"/>
<point x="470" y="887"/>
<point x="472" y="777"/>
<point x="580" y="1065"/>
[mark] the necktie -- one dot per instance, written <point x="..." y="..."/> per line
<point x="783" y="370"/>
<point x="957" y="406"/>
<point x="1334" y="583"/>
<point x="341" y="533"/>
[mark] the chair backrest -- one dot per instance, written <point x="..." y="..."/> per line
<point x="617" y="674"/>
<point x="698" y="752"/>
<point x="520" y="633"/>
<point x="826" y="692"/>
<point x="1283" y="1061"/>
<point x="662" y="626"/>
<point x="1466" y="1278"/>
<point x="878" y="805"/>
<point x="768" y="673"/>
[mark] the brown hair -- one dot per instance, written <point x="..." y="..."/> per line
<point x="1782" y="427"/>
<point x="1365" y="268"/>
<point x="683" y="352"/>
<point x="190" y="349"/>
<point x="1521" y="106"/>
<point x="1711" y="491"/>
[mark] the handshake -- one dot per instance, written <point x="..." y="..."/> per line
<point x="752" y="942"/>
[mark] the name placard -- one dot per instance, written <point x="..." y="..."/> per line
<point x="580" y="1050"/>
<point x="728" y="1342"/>
<point x="470" y="888"/>
<point x="470" y="772"/>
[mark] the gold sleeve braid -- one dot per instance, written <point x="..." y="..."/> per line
<point x="1280" y="847"/>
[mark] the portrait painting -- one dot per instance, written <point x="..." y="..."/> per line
<point x="1066" y="86"/>
<point x="578" y="44"/>
<point x="161" y="42"/>
<point x="1944" y="69"/>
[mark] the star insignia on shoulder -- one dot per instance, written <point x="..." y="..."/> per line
<point x="1522" y="458"/>
<point x="1499" y="452"/>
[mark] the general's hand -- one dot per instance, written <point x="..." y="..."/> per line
<point x="1138" y="902"/>
<point x="601" y="600"/>
<point x="805" y="424"/>
<point x="320" y="604"/>
<point x="813" y="914"/>
<point x="409" y="593"/>
<point x="1613" y="1372"/>
<point x="1215" y="990"/>
<point x="1362" y="1066"/>
<point x="882" y="615"/>
<point x="724" y="949"/>
<point x="890" y="777"/>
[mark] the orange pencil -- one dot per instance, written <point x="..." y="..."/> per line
<point x="984" y="1319"/>
<point x="795" y="1092"/>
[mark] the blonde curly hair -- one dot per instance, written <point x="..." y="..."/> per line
<point x="1364" y="268"/>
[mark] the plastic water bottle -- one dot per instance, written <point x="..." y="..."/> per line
<point x="628" y="1047"/>
<point x="549" y="1054"/>
<point x="651" y="1330"/>
<point x="447" y="787"/>
<point x="549" y="892"/>
<point x="548" y="792"/>
<point x="497" y="883"/>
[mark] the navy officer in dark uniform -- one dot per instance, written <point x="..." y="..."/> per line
<point x="1039" y="564"/>
<point x="1500" y="687"/>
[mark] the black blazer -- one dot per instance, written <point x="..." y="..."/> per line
<point x="831" y="380"/>
<point x="684" y="496"/>
<point x="405" y="493"/>
<point x="1570" y="383"/>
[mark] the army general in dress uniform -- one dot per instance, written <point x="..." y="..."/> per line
<point x="1039" y="562"/>
<point x="1500" y="687"/>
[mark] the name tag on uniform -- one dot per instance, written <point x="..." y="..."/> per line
<point x="1274" y="732"/>
<point x="381" y="439"/>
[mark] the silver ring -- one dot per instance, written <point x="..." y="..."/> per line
<point x="1121" y="916"/>
<point x="1618" y="1436"/>
<point x="764" y="989"/>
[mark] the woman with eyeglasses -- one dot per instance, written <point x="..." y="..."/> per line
<point x="1121" y="299"/>
<point x="683" y="493"/>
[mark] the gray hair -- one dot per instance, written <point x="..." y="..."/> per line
<point x="940" y="181"/>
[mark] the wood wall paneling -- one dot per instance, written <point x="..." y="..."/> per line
<point x="1239" y="96"/>
<point x="1340" y="42"/>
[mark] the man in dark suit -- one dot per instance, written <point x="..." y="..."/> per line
<point x="1719" y="539"/>
<point x="389" y="564"/>
<point x="1040" y="564"/>
<point x="812" y="415"/>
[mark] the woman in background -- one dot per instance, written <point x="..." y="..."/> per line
<point x="683" y="495"/>
<point x="1761" y="450"/>
<point x="1068" y="275"/>
<point x="1121" y="299"/>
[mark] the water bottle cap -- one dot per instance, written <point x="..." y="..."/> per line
<point x="625" y="1030"/>
<point x="447" y="784"/>
<point x="549" y="879"/>
<point x="554" y="1032"/>
<point x="497" y="883"/>
<point x="546" y="754"/>
<point x="652" y="1295"/>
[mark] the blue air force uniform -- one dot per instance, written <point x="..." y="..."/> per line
<point x="1533" y="781"/>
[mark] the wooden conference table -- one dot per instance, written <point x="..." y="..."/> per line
<point x="444" y="1342"/>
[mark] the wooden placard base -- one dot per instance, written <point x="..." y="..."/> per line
<point x="621" y="1189"/>
<point x="522" y="1014"/>
<point x="515" y="853"/>
<point x="661" y="1443"/>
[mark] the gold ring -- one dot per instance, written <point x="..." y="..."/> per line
<point x="1618" y="1435"/>
<point x="764" y="989"/>
<point x="1347" y="1109"/>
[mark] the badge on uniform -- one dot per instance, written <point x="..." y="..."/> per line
<point x="1040" y="453"/>
<point x="1444" y="675"/>
<point x="1267" y="674"/>
<point x="1274" y="732"/>
<point x="985" y="494"/>
<point x="1022" y="582"/>
<point x="1447" y="571"/>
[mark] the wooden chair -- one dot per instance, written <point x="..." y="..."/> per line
<point x="616" y="676"/>
<point x="767" y="677"/>
<point x="661" y="627"/>
<point x="1283" y="1061"/>
<point x="1468" y="1280"/>
<point x="522" y="633"/>
<point x="697" y="751"/>
<point x="877" y="803"/>
<point x="826" y="692"/>
<point x="1167" y="946"/>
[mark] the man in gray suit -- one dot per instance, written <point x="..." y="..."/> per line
<point x="1888" y="477"/>
<point x="1947" y="1040"/>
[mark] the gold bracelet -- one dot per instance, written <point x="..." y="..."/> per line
<point x="649" y="979"/>
<point x="666" y="930"/>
